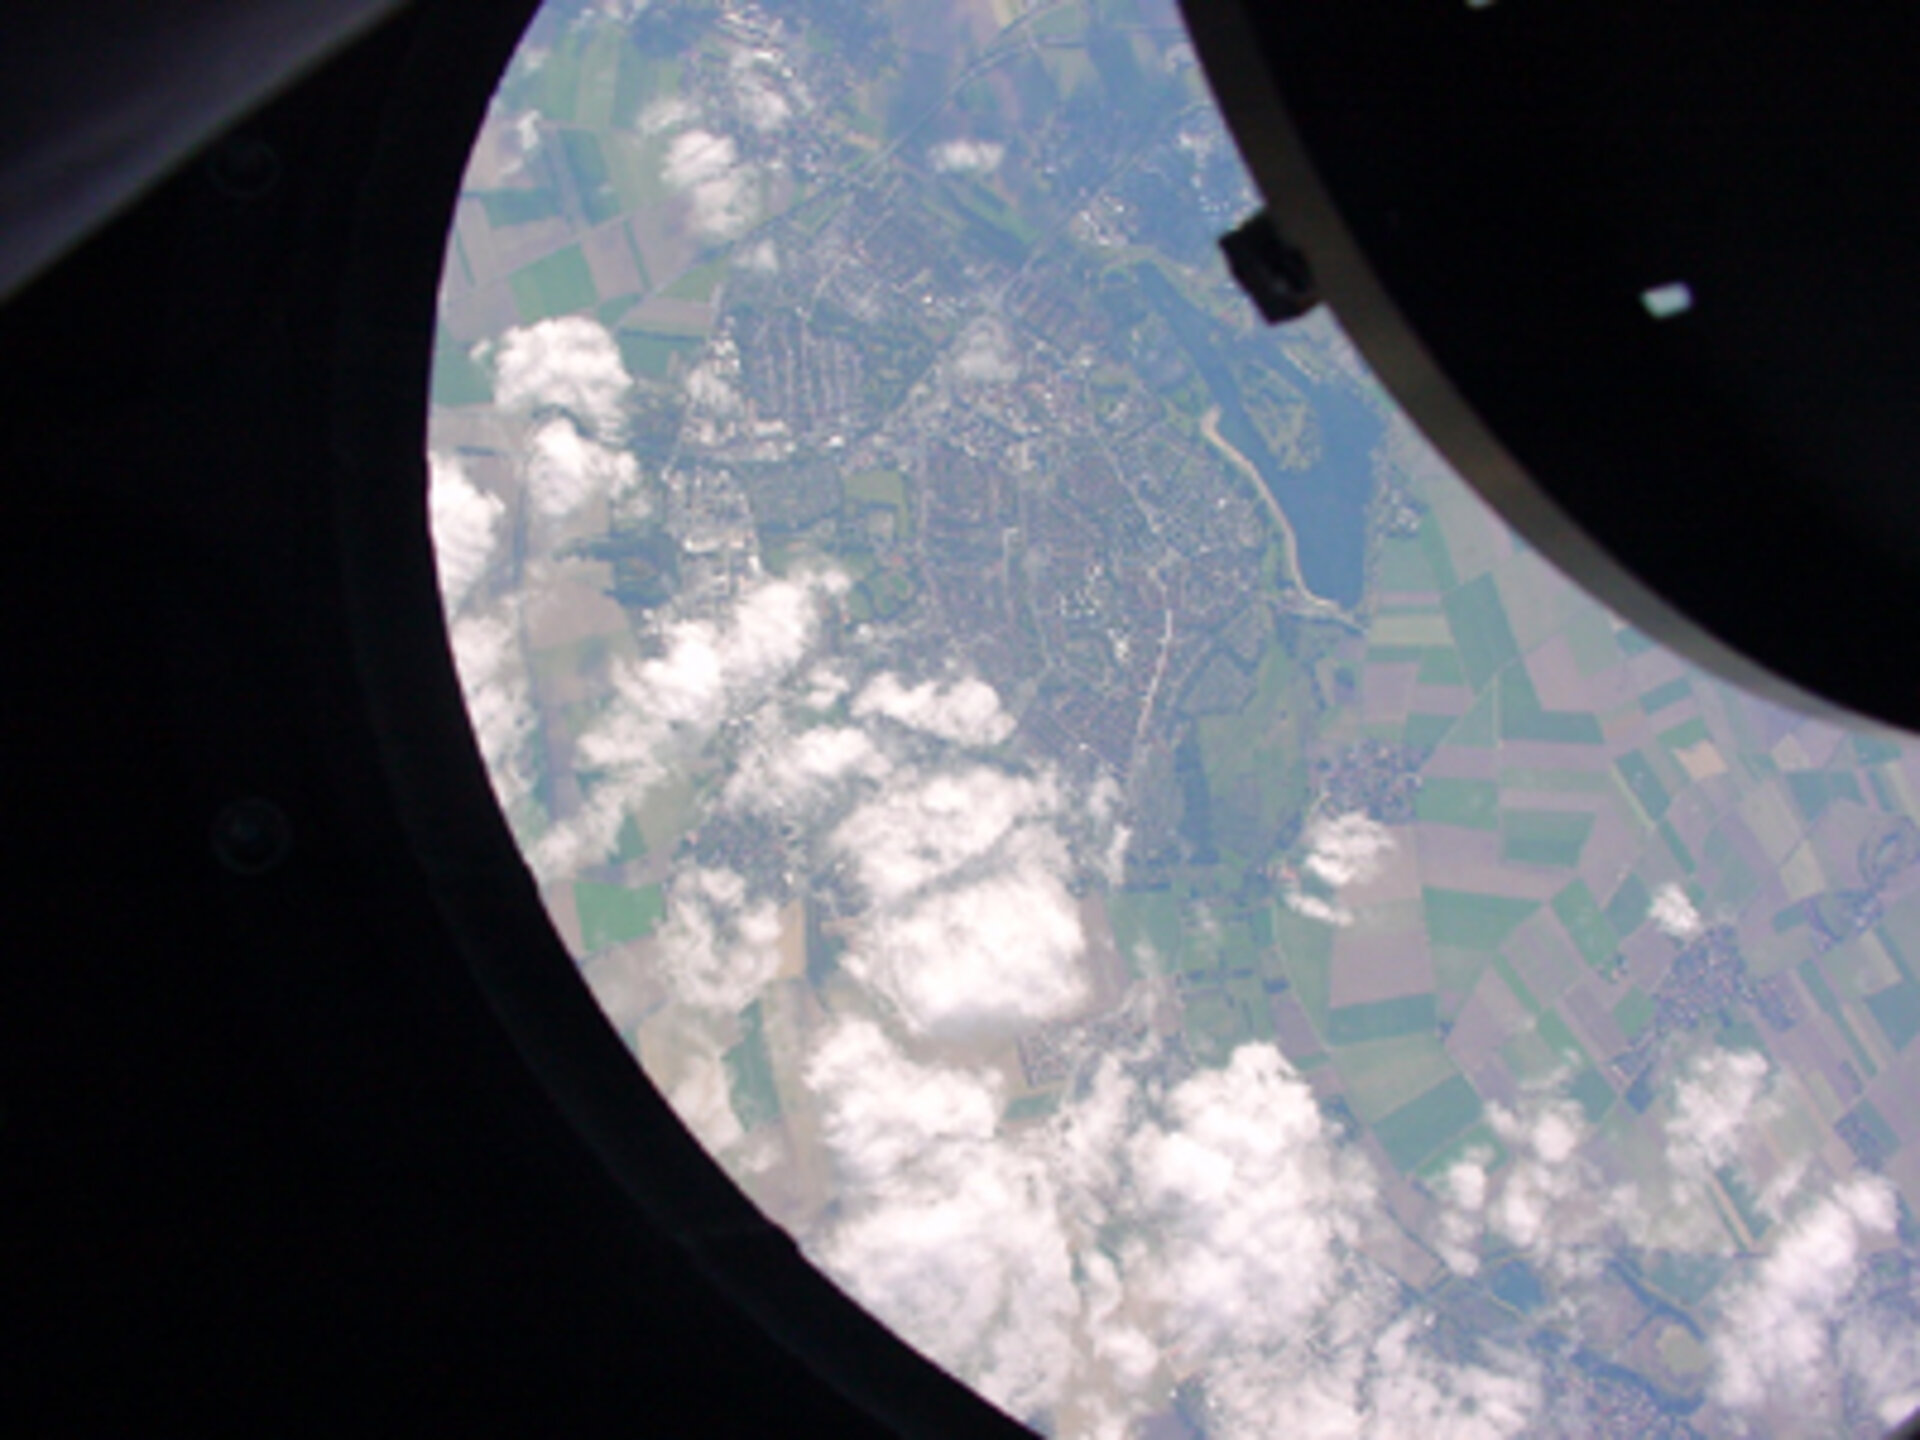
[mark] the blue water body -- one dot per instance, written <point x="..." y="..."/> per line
<point x="1327" y="504"/>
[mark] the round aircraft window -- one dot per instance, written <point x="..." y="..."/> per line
<point x="1099" y="833"/>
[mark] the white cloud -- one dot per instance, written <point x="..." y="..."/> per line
<point x="1256" y="1211"/>
<point x="499" y="706"/>
<point x="757" y="92"/>
<point x="1347" y="849"/>
<point x="1462" y="1219"/>
<point x="1255" y="1206"/>
<point x="1078" y="1269"/>
<point x="999" y="953"/>
<point x="966" y="711"/>
<point x="565" y="469"/>
<point x="977" y="157"/>
<point x="669" y="112"/>
<point x="706" y="671"/>
<point x="702" y="1100"/>
<point x="1723" y="1094"/>
<point x="918" y="834"/>
<point x="985" y="355"/>
<point x="789" y="771"/>
<point x="570" y="363"/>
<point x="1674" y="914"/>
<point x="954" y="1239"/>
<point x="1342" y="850"/>
<point x="1775" y="1339"/>
<point x="971" y="927"/>
<point x="763" y="257"/>
<point x="1880" y="1353"/>
<point x="718" y="950"/>
<point x="464" y="520"/>
<point x="1550" y="1202"/>
<point x="707" y="169"/>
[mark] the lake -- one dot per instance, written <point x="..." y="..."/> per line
<point x="1326" y="504"/>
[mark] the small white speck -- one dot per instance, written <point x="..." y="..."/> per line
<point x="1663" y="302"/>
<point x="1478" y="4"/>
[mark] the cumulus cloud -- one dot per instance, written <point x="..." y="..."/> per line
<point x="956" y="1240"/>
<point x="718" y="949"/>
<point x="1776" y="1336"/>
<point x="723" y="190"/>
<point x="966" y="711"/>
<point x="706" y="670"/>
<point x="974" y="157"/>
<point x="1256" y="1206"/>
<point x="789" y="772"/>
<point x="1236" y="1214"/>
<point x="1550" y="1203"/>
<point x="567" y="377"/>
<point x="571" y="364"/>
<point x="702" y="1100"/>
<point x="565" y="469"/>
<point x="758" y="93"/>
<point x="1342" y="850"/>
<point x="971" y="926"/>
<point x="1674" y="913"/>
<point x="486" y="653"/>
<point x="464" y="520"/>
<point x="669" y="112"/>
<point x="1723" y="1094"/>
<point x="985" y="355"/>
<point x="1250" y="1261"/>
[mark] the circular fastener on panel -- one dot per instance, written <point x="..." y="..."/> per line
<point x="252" y="836"/>
<point x="244" y="167"/>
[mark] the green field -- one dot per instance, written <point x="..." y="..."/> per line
<point x="1897" y="1011"/>
<point x="1382" y="1075"/>
<point x="1480" y="629"/>
<point x="877" y="487"/>
<point x="1252" y="759"/>
<point x="1147" y="920"/>
<point x="1644" y="783"/>
<point x="1521" y="717"/>
<point x="1381" y="1020"/>
<point x="1425" y="732"/>
<point x="613" y="914"/>
<point x="1634" y="1012"/>
<point x="1629" y="906"/>
<point x="457" y="380"/>
<point x="517" y="207"/>
<point x="1686" y="735"/>
<point x="750" y="1084"/>
<point x="598" y="198"/>
<point x="1442" y="667"/>
<point x="559" y="284"/>
<point x="1592" y="933"/>
<point x="1814" y="790"/>
<point x="1473" y="922"/>
<point x="651" y="353"/>
<point x="1521" y="991"/>
<point x="699" y="283"/>
<point x="1593" y="1094"/>
<point x="1305" y="951"/>
<point x="1420" y="1127"/>
<point x="1403" y="565"/>
<point x="1544" y="837"/>
<point x="1661" y="696"/>
<point x="1474" y="804"/>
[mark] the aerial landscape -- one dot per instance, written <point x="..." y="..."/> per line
<point x="1099" y="832"/>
